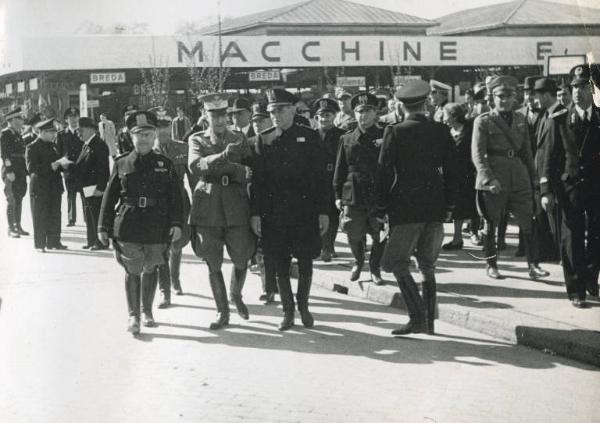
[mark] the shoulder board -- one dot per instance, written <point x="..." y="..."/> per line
<point x="559" y="113"/>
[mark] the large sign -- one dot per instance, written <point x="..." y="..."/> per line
<point x="135" y="51"/>
<point x="262" y="75"/>
<point x="351" y="81"/>
<point x="107" y="78"/>
<point x="562" y="65"/>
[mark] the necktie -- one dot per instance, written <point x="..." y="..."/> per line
<point x="585" y="117"/>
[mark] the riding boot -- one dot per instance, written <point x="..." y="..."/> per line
<point x="174" y="267"/>
<point x="149" y="282"/>
<point x="18" y="212"/>
<point x="358" y="251"/>
<point x="10" y="217"/>
<point x="164" y="285"/>
<point x="531" y="252"/>
<point x="132" y="293"/>
<point x="238" y="277"/>
<point x="217" y="285"/>
<point x="375" y="260"/>
<point x="429" y="298"/>
<point x="490" y="251"/>
<point x="304" y="284"/>
<point x="287" y="302"/>
<point x="501" y="239"/>
<point x="414" y="305"/>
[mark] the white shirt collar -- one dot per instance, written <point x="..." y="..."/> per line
<point x="90" y="138"/>
<point x="580" y="112"/>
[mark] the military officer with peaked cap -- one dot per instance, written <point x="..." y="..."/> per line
<point x="570" y="176"/>
<point x="506" y="176"/>
<point x="290" y="200"/>
<point x="354" y="185"/>
<point x="142" y="212"/>
<point x="345" y="117"/>
<point x="220" y="215"/>
<point x="14" y="171"/>
<point x="325" y="110"/>
<point x="45" y="187"/>
<point x="124" y="142"/>
<point x="416" y="183"/>
<point x="439" y="98"/>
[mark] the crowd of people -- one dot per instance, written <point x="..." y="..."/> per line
<point x="272" y="182"/>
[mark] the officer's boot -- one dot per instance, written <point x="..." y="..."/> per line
<point x="414" y="305"/>
<point x="287" y="302"/>
<point x="375" y="260"/>
<point x="358" y="251"/>
<point x="174" y="266"/>
<point x="149" y="282"/>
<point x="429" y="298"/>
<point x="132" y="292"/>
<point x="490" y="251"/>
<point x="304" y="284"/>
<point x="217" y="285"/>
<point x="501" y="238"/>
<point x="164" y="285"/>
<point x="18" y="212"/>
<point x="531" y="252"/>
<point x="10" y="217"/>
<point x="238" y="277"/>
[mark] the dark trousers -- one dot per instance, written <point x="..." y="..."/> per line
<point x="14" y="192"/>
<point x="72" y="204"/>
<point x="580" y="216"/>
<point x="328" y="238"/>
<point x="282" y="269"/>
<point x="45" y="213"/>
<point x="269" y="274"/>
<point x="91" y="207"/>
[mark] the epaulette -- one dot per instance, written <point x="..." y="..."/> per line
<point x="559" y="113"/>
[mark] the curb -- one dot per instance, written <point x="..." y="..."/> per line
<point x="546" y="335"/>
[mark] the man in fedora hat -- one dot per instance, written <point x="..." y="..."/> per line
<point x="241" y="117"/>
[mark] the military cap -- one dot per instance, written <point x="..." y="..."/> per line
<point x="71" y="111"/>
<point x="502" y="83"/>
<point x="162" y="117"/>
<point x="279" y="97"/>
<point x="413" y="92"/>
<point x="479" y="91"/>
<point x="14" y="113"/>
<point x="325" y="105"/>
<point x="363" y="100"/>
<point x="45" y="124"/>
<point x="259" y="110"/>
<point x="340" y="93"/>
<point x="239" y="104"/>
<point x="34" y="119"/>
<point x="529" y="82"/>
<point x="214" y="102"/>
<point x="140" y="120"/>
<point x="381" y="93"/>
<point x="86" y="122"/>
<point x="130" y="108"/>
<point x="545" y="85"/>
<point x="580" y="74"/>
<point x="595" y="73"/>
<point x="439" y="86"/>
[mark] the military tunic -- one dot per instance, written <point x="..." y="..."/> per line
<point x="12" y="152"/>
<point x="69" y="145"/>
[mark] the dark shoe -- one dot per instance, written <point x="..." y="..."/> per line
<point x="22" y="231"/>
<point x="287" y="322"/>
<point x="58" y="246"/>
<point x="493" y="273"/>
<point x="148" y="319"/>
<point x="86" y="247"/>
<point x="70" y="224"/>
<point x="164" y="301"/>
<point x="577" y="303"/>
<point x="238" y="277"/>
<point x="453" y="245"/>
<point x="133" y="325"/>
<point x="326" y="256"/>
<point x="97" y="247"/>
<point x="410" y="327"/>
<point x="355" y="272"/>
<point x="334" y="254"/>
<point x="222" y="321"/>
<point x="307" y="319"/>
<point x="376" y="278"/>
<point x="177" y="286"/>
<point x="593" y="290"/>
<point x="267" y="298"/>
<point x="536" y="272"/>
<point x="12" y="233"/>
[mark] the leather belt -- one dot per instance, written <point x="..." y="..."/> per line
<point x="142" y="202"/>
<point x="510" y="154"/>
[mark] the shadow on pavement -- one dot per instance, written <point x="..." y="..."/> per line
<point x="497" y="291"/>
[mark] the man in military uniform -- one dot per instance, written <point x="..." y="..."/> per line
<point x="501" y="153"/>
<point x="479" y="100"/>
<point x="142" y="212"/>
<point x="325" y="111"/>
<point x="290" y="201"/>
<point x="45" y="187"/>
<point x="220" y="213"/>
<point x="354" y="185"/>
<point x="176" y="151"/>
<point x="416" y="184"/>
<point x="345" y="118"/>
<point x="571" y="176"/>
<point x="124" y="142"/>
<point x="14" y="171"/>
<point x="438" y="96"/>
<point x="90" y="173"/>
<point x="241" y="117"/>
<point x="393" y="117"/>
<point x="69" y="145"/>
<point x="30" y="134"/>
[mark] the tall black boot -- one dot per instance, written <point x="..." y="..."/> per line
<point x="132" y="292"/>
<point x="304" y="284"/>
<point x="430" y="300"/>
<point x="490" y="251"/>
<point x="149" y="282"/>
<point x="10" y="217"/>
<point x="287" y="301"/>
<point x="238" y="277"/>
<point x="174" y="269"/>
<point x="414" y="305"/>
<point x="217" y="285"/>
<point x="531" y="252"/>
<point x="358" y="251"/>
<point x="18" y="213"/>
<point x="164" y="285"/>
<point x="375" y="260"/>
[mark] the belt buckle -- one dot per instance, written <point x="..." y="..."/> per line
<point x="225" y="180"/>
<point x="142" y="202"/>
<point x="511" y="154"/>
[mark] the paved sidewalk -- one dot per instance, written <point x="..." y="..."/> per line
<point x="533" y="313"/>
